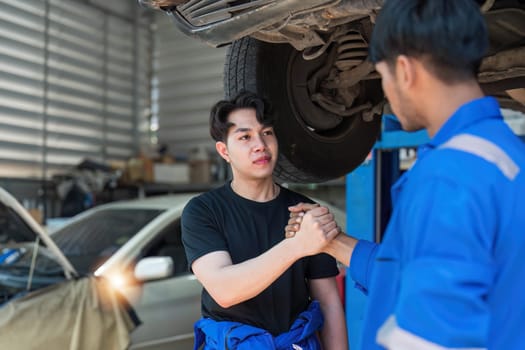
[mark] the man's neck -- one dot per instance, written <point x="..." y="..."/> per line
<point x="445" y="101"/>
<point x="256" y="190"/>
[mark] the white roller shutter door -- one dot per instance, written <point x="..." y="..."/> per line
<point x="188" y="81"/>
<point x="74" y="84"/>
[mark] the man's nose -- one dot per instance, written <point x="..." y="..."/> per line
<point x="259" y="143"/>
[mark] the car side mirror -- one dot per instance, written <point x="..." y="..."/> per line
<point x="153" y="268"/>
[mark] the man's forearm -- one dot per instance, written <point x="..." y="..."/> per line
<point x="341" y="248"/>
<point x="334" y="333"/>
<point x="233" y="284"/>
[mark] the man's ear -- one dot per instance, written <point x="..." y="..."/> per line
<point x="406" y="74"/>
<point x="222" y="149"/>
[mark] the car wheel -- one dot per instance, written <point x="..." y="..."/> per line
<point x="315" y="144"/>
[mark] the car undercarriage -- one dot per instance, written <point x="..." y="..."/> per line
<point x="309" y="58"/>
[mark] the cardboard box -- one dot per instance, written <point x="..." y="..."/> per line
<point x="139" y="170"/>
<point x="176" y="173"/>
<point x="200" y="171"/>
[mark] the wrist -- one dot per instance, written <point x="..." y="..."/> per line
<point x="292" y="249"/>
<point x="341" y="248"/>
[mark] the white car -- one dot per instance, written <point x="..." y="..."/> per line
<point x="137" y="245"/>
<point x="44" y="301"/>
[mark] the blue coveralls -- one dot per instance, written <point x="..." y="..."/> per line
<point x="226" y="335"/>
<point x="450" y="272"/>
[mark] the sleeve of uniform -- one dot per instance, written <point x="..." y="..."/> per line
<point x="447" y="239"/>
<point x="200" y="233"/>
<point x="361" y="263"/>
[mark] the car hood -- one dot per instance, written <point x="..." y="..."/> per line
<point x="7" y="200"/>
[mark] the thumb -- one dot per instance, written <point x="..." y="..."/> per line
<point x="296" y="208"/>
<point x="302" y="207"/>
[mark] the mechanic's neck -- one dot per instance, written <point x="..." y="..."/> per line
<point x="258" y="190"/>
<point x="445" y="100"/>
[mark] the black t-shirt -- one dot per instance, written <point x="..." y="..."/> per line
<point x="221" y="220"/>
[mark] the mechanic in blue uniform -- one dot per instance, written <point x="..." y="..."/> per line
<point x="450" y="271"/>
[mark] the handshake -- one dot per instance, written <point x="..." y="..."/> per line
<point x="313" y="225"/>
<point x="315" y="231"/>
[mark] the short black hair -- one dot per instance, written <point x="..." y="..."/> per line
<point x="219" y="124"/>
<point x="450" y="35"/>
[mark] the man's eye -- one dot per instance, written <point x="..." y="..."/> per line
<point x="268" y="132"/>
<point x="244" y="137"/>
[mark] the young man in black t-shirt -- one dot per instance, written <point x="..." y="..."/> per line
<point x="234" y="241"/>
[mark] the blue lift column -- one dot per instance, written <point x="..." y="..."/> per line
<point x="368" y="206"/>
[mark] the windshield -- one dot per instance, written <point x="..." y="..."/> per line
<point x="13" y="228"/>
<point x="89" y="242"/>
<point x="20" y="255"/>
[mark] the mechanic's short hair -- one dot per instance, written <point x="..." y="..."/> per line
<point x="449" y="36"/>
<point x="219" y="124"/>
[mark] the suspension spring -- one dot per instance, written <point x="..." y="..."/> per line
<point x="352" y="50"/>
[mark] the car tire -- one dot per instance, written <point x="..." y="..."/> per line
<point x="331" y="149"/>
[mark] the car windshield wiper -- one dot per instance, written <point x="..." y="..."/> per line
<point x="33" y="263"/>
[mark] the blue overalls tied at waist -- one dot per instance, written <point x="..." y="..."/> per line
<point x="229" y="335"/>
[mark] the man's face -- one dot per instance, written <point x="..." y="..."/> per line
<point x="250" y="148"/>
<point x="399" y="99"/>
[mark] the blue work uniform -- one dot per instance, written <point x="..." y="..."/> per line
<point x="220" y="335"/>
<point x="449" y="272"/>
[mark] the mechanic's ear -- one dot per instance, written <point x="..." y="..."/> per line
<point x="222" y="150"/>
<point x="405" y="71"/>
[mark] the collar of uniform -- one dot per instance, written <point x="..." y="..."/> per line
<point x="469" y="113"/>
<point x="466" y="115"/>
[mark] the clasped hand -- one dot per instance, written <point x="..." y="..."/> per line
<point x="312" y="226"/>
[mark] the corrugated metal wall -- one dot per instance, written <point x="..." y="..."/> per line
<point x="188" y="81"/>
<point x="74" y="84"/>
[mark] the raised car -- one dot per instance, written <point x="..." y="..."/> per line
<point x="309" y="58"/>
